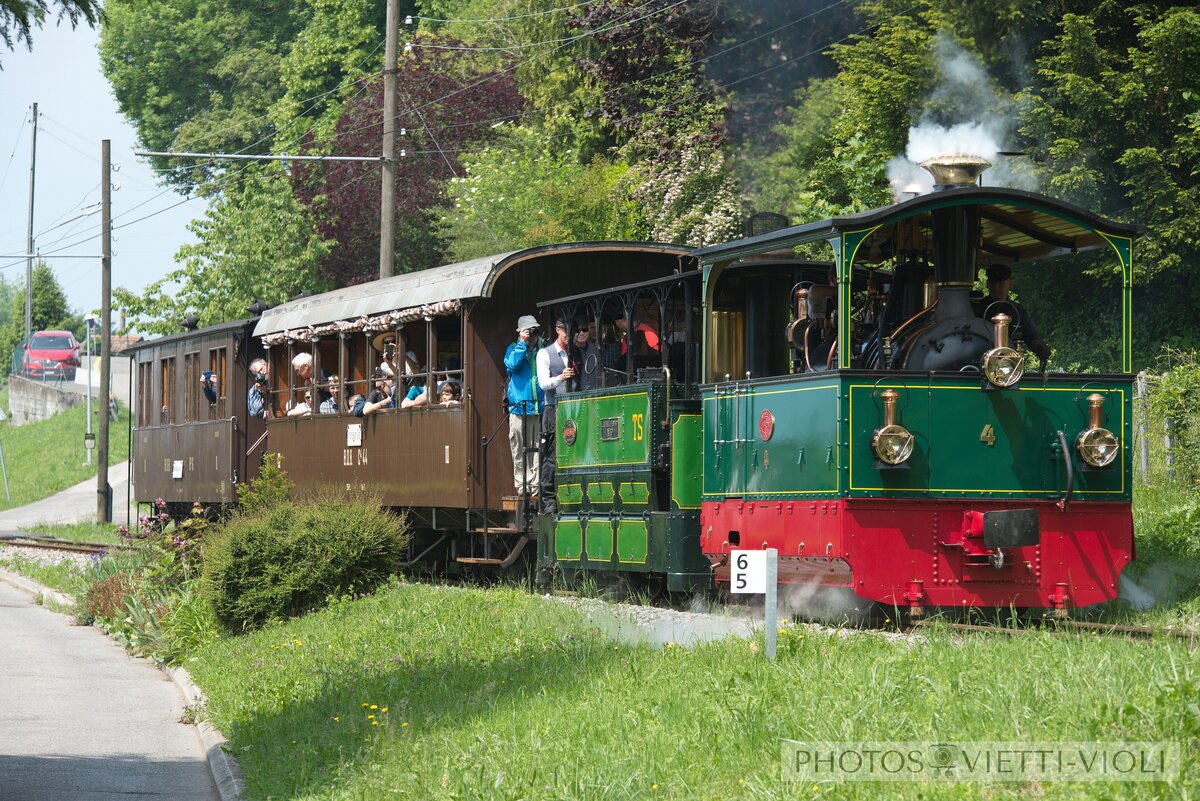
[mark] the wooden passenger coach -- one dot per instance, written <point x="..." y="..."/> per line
<point x="190" y="446"/>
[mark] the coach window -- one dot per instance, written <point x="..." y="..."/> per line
<point x="448" y="344"/>
<point x="217" y="365"/>
<point x="166" y="391"/>
<point x="191" y="387"/>
<point x="145" y="387"/>
<point x="412" y="357"/>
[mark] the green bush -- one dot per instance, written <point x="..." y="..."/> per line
<point x="283" y="560"/>
<point x="271" y="488"/>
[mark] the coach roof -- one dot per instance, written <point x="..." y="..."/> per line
<point x="464" y="280"/>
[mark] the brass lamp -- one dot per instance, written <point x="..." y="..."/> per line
<point x="892" y="443"/>
<point x="1002" y="366"/>
<point x="1097" y="445"/>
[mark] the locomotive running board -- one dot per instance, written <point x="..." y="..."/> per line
<point x="504" y="563"/>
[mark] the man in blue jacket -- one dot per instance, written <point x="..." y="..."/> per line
<point x="525" y="402"/>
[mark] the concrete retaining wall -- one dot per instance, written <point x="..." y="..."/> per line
<point x="30" y="400"/>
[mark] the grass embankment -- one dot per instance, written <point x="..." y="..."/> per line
<point x="48" y="456"/>
<point x="427" y="693"/>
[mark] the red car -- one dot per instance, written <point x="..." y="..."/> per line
<point x="51" y="354"/>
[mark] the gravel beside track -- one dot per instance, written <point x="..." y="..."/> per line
<point x="43" y="556"/>
<point x="656" y="625"/>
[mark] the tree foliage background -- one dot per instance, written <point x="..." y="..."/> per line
<point x="532" y="121"/>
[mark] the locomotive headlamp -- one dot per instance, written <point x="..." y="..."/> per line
<point x="892" y="443"/>
<point x="1097" y="445"/>
<point x="1003" y="366"/>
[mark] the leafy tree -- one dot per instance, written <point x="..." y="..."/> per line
<point x="18" y="18"/>
<point x="197" y="75"/>
<point x="1115" y="125"/>
<point x="525" y="190"/>
<point x="341" y="42"/>
<point x="656" y="99"/>
<point x="49" y="311"/>
<point x="256" y="243"/>
<point x="446" y="106"/>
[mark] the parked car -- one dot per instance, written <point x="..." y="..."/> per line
<point x="51" y="354"/>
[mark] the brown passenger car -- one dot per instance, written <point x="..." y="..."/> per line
<point x="188" y="445"/>
<point x="456" y="321"/>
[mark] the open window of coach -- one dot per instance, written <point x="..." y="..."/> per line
<point x="383" y="363"/>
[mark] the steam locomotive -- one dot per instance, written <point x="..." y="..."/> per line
<point x="866" y="416"/>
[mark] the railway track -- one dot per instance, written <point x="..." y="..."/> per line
<point x="55" y="544"/>
<point x="1066" y="627"/>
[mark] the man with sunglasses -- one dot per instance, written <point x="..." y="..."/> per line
<point x="585" y="357"/>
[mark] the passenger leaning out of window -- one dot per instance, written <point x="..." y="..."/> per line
<point x="380" y="398"/>
<point x="256" y="397"/>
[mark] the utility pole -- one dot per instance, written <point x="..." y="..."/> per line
<point x="387" y="206"/>
<point x="29" y="239"/>
<point x="103" y="490"/>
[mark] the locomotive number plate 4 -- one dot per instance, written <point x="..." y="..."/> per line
<point x="610" y="429"/>
<point x="988" y="435"/>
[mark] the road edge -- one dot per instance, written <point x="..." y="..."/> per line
<point x="223" y="769"/>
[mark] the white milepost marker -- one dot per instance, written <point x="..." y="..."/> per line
<point x="757" y="573"/>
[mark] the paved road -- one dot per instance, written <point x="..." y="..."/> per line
<point x="82" y="721"/>
<point x="118" y="378"/>
<point x="72" y="505"/>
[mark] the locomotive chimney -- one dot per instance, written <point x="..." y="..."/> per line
<point x="955" y="234"/>
<point x="955" y="170"/>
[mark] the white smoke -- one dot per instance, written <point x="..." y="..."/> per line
<point x="963" y="114"/>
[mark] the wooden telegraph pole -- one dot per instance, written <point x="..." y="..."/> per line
<point x="387" y="206"/>
<point x="103" y="490"/>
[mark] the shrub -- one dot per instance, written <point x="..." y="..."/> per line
<point x="272" y="487"/>
<point x="283" y="560"/>
<point x="106" y="598"/>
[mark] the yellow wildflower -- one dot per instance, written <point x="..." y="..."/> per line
<point x="374" y="706"/>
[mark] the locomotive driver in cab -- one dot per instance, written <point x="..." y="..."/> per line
<point x="999" y="283"/>
<point x="554" y="371"/>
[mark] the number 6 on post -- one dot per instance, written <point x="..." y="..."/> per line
<point x="748" y="572"/>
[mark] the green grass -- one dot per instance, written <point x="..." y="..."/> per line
<point x="95" y="533"/>
<point x="505" y="695"/>
<point x="66" y="577"/>
<point x="46" y="457"/>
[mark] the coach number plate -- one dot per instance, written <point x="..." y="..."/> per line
<point x="610" y="429"/>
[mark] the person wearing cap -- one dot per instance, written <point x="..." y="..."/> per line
<point x="999" y="283"/>
<point x="525" y="399"/>
<point x="386" y="344"/>
<point x="554" y="372"/>
<point x="380" y="397"/>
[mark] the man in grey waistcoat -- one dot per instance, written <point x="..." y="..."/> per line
<point x="554" y="372"/>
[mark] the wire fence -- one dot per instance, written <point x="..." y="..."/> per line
<point x="1163" y="451"/>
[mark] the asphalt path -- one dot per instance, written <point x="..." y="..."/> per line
<point x="72" y="505"/>
<point x="80" y="720"/>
